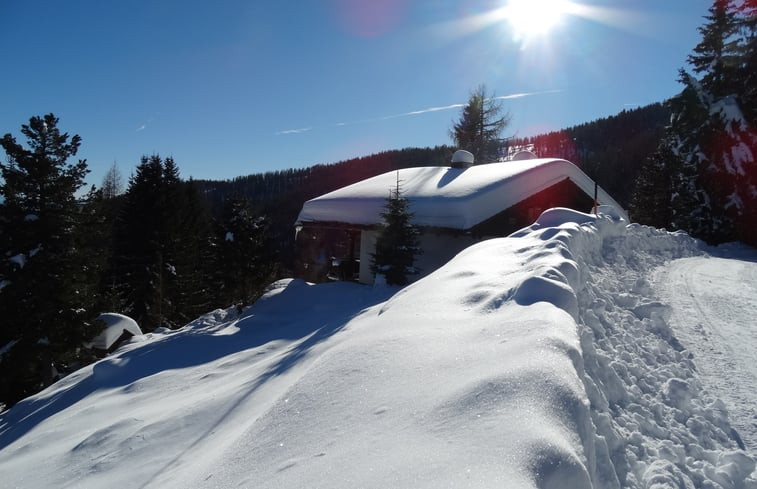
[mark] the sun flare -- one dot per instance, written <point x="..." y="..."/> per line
<point x="530" y="18"/>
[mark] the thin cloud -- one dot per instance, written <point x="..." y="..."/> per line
<point x="418" y="112"/>
<point x="526" y="94"/>
<point x="149" y="121"/>
<point x="295" y="131"/>
<point x="425" y="111"/>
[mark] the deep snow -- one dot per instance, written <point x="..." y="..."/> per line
<point x="566" y="355"/>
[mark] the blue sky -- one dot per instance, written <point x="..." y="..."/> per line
<point x="235" y="87"/>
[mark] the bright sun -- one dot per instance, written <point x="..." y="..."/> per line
<point x="530" y="18"/>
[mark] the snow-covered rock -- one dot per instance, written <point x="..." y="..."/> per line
<point x="116" y="325"/>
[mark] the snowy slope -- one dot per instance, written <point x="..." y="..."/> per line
<point x="547" y="359"/>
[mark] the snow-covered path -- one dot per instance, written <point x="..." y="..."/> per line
<point x="714" y="316"/>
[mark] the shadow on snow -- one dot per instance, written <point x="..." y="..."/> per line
<point x="304" y="312"/>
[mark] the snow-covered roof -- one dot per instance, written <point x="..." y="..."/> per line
<point x="457" y="198"/>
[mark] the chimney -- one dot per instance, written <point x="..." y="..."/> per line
<point x="462" y="159"/>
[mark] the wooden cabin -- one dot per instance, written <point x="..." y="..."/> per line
<point x="455" y="207"/>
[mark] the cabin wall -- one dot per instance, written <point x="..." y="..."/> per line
<point x="326" y="252"/>
<point x="367" y="248"/>
<point x="438" y="248"/>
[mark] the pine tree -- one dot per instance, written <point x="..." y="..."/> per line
<point x="161" y="245"/>
<point x="747" y="100"/>
<point x="480" y="126"/>
<point x="98" y="216"/>
<point x="244" y="254"/>
<point x="716" y="57"/>
<point x="397" y="243"/>
<point x="691" y="202"/>
<point x="650" y="203"/>
<point x="711" y="143"/>
<point x="747" y="27"/>
<point x="132" y="276"/>
<point x="44" y="295"/>
<point x="190" y="254"/>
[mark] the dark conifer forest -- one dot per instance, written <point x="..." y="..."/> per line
<point x="163" y="249"/>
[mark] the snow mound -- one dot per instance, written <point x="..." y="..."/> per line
<point x="542" y="360"/>
<point x="115" y="326"/>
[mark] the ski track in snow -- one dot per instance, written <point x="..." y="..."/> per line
<point x="718" y="324"/>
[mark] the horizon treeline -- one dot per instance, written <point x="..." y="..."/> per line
<point x="604" y="148"/>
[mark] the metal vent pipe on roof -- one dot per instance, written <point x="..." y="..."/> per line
<point x="462" y="159"/>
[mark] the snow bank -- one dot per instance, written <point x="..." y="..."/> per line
<point x="543" y="360"/>
<point x="651" y="417"/>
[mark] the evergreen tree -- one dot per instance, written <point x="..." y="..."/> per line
<point x="748" y="103"/>
<point x="98" y="215"/>
<point x="190" y="253"/>
<point x="133" y="274"/>
<point x="44" y="284"/>
<point x="747" y="28"/>
<point x="711" y="144"/>
<point x="161" y="247"/>
<point x="480" y="126"/>
<point x="245" y="263"/>
<point x="397" y="243"/>
<point x="650" y="203"/>
<point x="716" y="58"/>
<point x="691" y="202"/>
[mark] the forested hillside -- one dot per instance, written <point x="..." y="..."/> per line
<point x="279" y="195"/>
<point x="703" y="177"/>
<point x="610" y="150"/>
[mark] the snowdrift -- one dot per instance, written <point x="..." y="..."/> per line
<point x="116" y="325"/>
<point x="542" y="360"/>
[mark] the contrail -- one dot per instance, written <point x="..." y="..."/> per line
<point x="415" y="112"/>
<point x="295" y="131"/>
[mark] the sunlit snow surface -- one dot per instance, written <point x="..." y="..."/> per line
<point x="556" y="358"/>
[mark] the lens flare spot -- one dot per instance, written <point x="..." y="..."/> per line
<point x="368" y="18"/>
